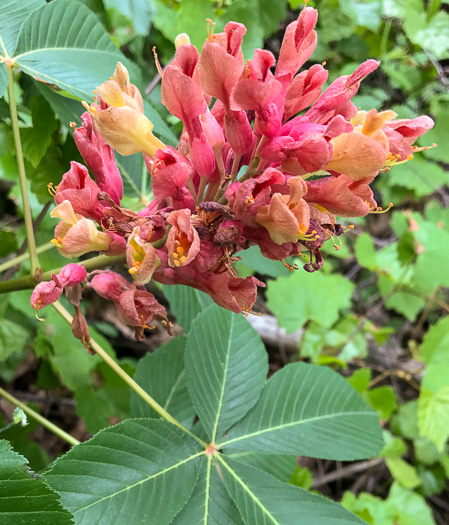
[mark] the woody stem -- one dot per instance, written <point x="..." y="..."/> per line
<point x="128" y="379"/>
<point x="30" y="281"/>
<point x="22" y="175"/>
<point x="40" y="419"/>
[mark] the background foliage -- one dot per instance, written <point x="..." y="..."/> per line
<point x="376" y="313"/>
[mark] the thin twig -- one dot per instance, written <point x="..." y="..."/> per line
<point x="34" y="261"/>
<point x="344" y="472"/>
<point x="41" y="419"/>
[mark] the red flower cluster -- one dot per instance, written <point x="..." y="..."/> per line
<point x="254" y="168"/>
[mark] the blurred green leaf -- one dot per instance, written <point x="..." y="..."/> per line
<point x="426" y="452"/>
<point x="404" y="473"/>
<point x="35" y="140"/>
<point x="302" y="477"/>
<point x="303" y="296"/>
<point x="419" y="175"/>
<point x="138" y="11"/>
<point x="429" y="33"/>
<point x="433" y="415"/>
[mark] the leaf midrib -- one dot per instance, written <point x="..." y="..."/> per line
<point x="140" y="482"/>
<point x="173" y="389"/>
<point x="225" y="374"/>
<point x="78" y="49"/>
<point x="206" y="502"/>
<point x="293" y="423"/>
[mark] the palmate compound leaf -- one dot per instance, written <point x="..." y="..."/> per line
<point x="63" y="43"/>
<point x="226" y="367"/>
<point x="25" y="499"/>
<point x="264" y="500"/>
<point x="141" y="472"/>
<point x="162" y="375"/>
<point x="308" y="410"/>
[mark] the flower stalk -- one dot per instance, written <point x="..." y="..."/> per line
<point x="128" y="379"/>
<point x="22" y="175"/>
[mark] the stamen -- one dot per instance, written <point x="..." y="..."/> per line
<point x="291" y="267"/>
<point x="158" y="65"/>
<point x="248" y="311"/>
<point x="52" y="190"/>
<point x="210" y="29"/>
<point x="37" y="317"/>
<point x="379" y="210"/>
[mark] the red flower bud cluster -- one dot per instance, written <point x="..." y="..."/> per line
<point x="270" y="162"/>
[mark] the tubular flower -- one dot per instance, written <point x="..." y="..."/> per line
<point x="75" y="235"/>
<point x="266" y="157"/>
<point x="119" y="116"/>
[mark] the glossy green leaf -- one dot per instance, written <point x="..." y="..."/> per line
<point x="303" y="296"/>
<point x="226" y="367"/>
<point x="162" y="375"/>
<point x="312" y="411"/>
<point x="264" y="500"/>
<point x="141" y="471"/>
<point x="25" y="498"/>
<point x="210" y="503"/>
<point x="13" y="14"/>
<point x="63" y="43"/>
<point x="186" y="303"/>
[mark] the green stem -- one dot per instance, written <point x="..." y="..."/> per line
<point x="128" y="379"/>
<point x="22" y="175"/>
<point x="29" y="281"/>
<point x="21" y="258"/>
<point x="47" y="424"/>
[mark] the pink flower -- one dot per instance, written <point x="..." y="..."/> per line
<point x="135" y="307"/>
<point x="183" y="242"/>
<point x="72" y="274"/>
<point x="46" y="293"/>
<point x="82" y="192"/>
<point x="182" y="96"/>
<point x="287" y="216"/>
<point x="99" y="156"/>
